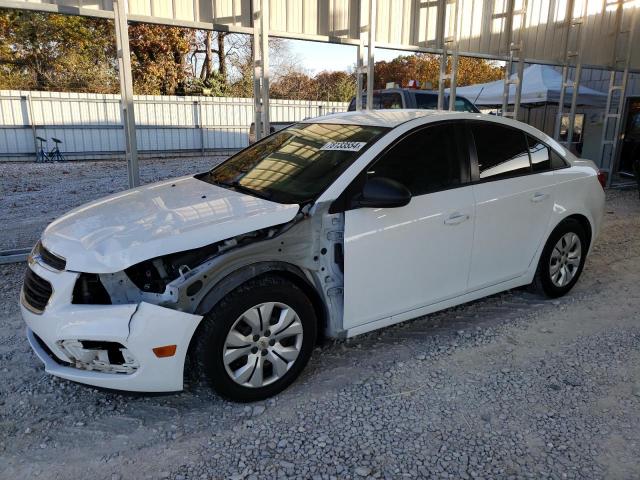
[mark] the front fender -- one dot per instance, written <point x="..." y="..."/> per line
<point x="243" y="274"/>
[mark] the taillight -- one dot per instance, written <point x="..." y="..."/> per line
<point x="602" y="178"/>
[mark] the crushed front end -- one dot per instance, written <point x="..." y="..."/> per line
<point x="81" y="335"/>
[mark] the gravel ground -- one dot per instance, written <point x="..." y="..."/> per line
<point x="34" y="194"/>
<point x="512" y="386"/>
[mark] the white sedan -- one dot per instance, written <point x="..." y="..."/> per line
<point x="333" y="227"/>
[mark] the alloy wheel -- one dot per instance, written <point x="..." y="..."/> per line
<point x="565" y="259"/>
<point x="262" y="344"/>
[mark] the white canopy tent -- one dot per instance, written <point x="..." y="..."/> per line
<point x="540" y="84"/>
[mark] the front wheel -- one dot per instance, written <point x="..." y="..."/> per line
<point x="256" y="341"/>
<point x="562" y="259"/>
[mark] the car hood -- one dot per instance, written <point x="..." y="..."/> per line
<point x="125" y="228"/>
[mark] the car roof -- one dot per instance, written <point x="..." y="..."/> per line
<point x="395" y="117"/>
<point x="379" y="118"/>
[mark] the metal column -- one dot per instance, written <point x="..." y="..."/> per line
<point x="360" y="71"/>
<point x="441" y="21"/>
<point x="575" y="38"/>
<point x="261" y="67"/>
<point x="264" y="46"/>
<point x="449" y="46"/>
<point x="617" y="91"/>
<point x="126" y="91"/>
<point x="371" y="39"/>
<point x="515" y="45"/>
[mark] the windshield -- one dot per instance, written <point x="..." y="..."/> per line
<point x="295" y="165"/>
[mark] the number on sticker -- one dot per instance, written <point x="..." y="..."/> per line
<point x="344" y="146"/>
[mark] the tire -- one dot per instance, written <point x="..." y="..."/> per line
<point x="264" y="366"/>
<point x="559" y="246"/>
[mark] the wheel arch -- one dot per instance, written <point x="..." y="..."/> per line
<point x="584" y="222"/>
<point x="250" y="272"/>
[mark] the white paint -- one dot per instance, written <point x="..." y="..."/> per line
<point x="395" y="258"/>
<point x="113" y="233"/>
<point x="512" y="218"/>
<point x="442" y="249"/>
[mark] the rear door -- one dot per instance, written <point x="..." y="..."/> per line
<point x="400" y="259"/>
<point x="514" y="202"/>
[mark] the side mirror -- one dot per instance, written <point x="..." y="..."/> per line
<point x="381" y="192"/>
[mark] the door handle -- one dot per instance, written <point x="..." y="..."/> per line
<point x="538" y="197"/>
<point x="456" y="218"/>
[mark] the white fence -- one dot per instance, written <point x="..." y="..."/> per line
<point x="90" y="125"/>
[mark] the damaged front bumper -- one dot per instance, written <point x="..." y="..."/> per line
<point x="110" y="346"/>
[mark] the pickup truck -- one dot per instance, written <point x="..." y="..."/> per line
<point x="412" y="98"/>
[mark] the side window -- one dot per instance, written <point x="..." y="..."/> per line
<point x="557" y="161"/>
<point x="425" y="161"/>
<point x="427" y="101"/>
<point x="502" y="151"/>
<point x="539" y="152"/>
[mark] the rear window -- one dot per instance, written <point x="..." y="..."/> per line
<point x="502" y="152"/>
<point x="557" y="161"/>
<point x="539" y="152"/>
<point x="464" y="105"/>
<point x="381" y="101"/>
<point x="427" y="101"/>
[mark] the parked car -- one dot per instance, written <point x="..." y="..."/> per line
<point x="333" y="227"/>
<point x="273" y="127"/>
<point x="393" y="98"/>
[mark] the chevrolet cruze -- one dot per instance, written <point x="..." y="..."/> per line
<point x="333" y="227"/>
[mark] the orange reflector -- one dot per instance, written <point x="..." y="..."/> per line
<point x="166" y="351"/>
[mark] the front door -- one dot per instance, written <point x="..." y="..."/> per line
<point x="399" y="259"/>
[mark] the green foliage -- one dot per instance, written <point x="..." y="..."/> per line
<point x="56" y="52"/>
<point x="335" y="86"/>
<point x="158" y="58"/>
<point x="40" y="51"/>
<point x="425" y="67"/>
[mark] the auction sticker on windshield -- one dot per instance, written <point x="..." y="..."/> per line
<point x="344" y="146"/>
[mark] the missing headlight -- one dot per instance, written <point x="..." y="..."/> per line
<point x="89" y="290"/>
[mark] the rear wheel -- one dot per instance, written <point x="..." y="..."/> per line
<point x="256" y="341"/>
<point x="562" y="259"/>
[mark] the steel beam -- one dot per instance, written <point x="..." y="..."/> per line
<point x="441" y="19"/>
<point x="622" y="61"/>
<point x="264" y="46"/>
<point x="126" y="91"/>
<point x="360" y="76"/>
<point x="574" y="28"/>
<point x="453" y="77"/>
<point x="371" y="40"/>
<point x="261" y="67"/>
<point x="514" y="44"/>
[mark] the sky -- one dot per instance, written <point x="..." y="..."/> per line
<point x="316" y="57"/>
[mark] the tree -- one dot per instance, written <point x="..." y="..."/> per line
<point x="40" y="51"/>
<point x="294" y="85"/>
<point x="335" y="86"/>
<point x="425" y="67"/>
<point x="211" y="79"/>
<point x="159" y="58"/>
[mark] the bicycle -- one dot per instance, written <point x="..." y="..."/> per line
<point x="53" y="155"/>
